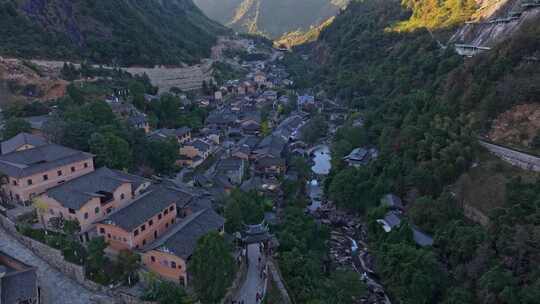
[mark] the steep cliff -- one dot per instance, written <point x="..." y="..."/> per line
<point x="271" y="17"/>
<point x="494" y="21"/>
<point x="113" y="31"/>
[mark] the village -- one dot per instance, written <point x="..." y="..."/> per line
<point x="254" y="131"/>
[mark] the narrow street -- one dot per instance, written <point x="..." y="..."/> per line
<point x="253" y="283"/>
<point x="56" y="288"/>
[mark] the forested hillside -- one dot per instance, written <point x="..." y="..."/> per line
<point x="424" y="107"/>
<point x="272" y="18"/>
<point x="127" y="32"/>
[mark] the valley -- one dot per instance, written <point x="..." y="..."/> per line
<point x="272" y="18"/>
<point x="374" y="152"/>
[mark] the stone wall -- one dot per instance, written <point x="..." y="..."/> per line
<point x="75" y="272"/>
<point x="237" y="284"/>
<point x="276" y="276"/>
<point x="52" y="256"/>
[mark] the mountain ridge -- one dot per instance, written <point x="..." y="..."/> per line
<point x="125" y="32"/>
<point x="272" y="18"/>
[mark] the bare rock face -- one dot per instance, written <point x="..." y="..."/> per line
<point x="517" y="126"/>
<point x="494" y="21"/>
<point x="271" y="17"/>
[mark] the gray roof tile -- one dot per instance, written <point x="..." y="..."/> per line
<point x="77" y="192"/>
<point x="40" y="159"/>
<point x="182" y="238"/>
<point x="21" y="139"/>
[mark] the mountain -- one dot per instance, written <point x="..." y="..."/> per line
<point x="299" y="37"/>
<point x="272" y="18"/>
<point x="424" y="107"/>
<point x="127" y="32"/>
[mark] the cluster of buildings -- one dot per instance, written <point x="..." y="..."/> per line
<point x="161" y="221"/>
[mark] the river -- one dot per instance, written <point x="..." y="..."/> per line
<point x="322" y="160"/>
<point x="348" y="242"/>
<point x="321" y="166"/>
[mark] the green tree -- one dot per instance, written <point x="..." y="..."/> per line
<point x="111" y="151"/>
<point x="164" y="292"/>
<point x="213" y="268"/>
<point x="243" y="208"/>
<point x="128" y="264"/>
<point x="161" y="155"/>
<point x="15" y="126"/>
<point x="96" y="260"/>
<point x="345" y="287"/>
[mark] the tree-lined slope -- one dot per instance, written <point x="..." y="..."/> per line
<point x="112" y="31"/>
<point x="423" y="108"/>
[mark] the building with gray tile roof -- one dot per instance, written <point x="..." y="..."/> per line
<point x="200" y="145"/>
<point x="75" y="193"/>
<point x="18" y="281"/>
<point x="182" y="239"/>
<point x="146" y="206"/>
<point x="43" y="158"/>
<point x="166" y="133"/>
<point x="22" y="140"/>
<point x="271" y="146"/>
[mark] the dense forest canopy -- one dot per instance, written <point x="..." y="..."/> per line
<point x="115" y="31"/>
<point x="423" y="108"/>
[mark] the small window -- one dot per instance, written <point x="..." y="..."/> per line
<point x="72" y="211"/>
<point x="51" y="211"/>
<point x="136" y="232"/>
<point x="29" y="181"/>
<point x="14" y="183"/>
<point x="109" y="210"/>
<point x="45" y="177"/>
<point x="72" y="169"/>
<point x="150" y="222"/>
<point x="159" y="216"/>
<point x="173" y="264"/>
<point x="171" y="208"/>
<point x="166" y="211"/>
<point x="86" y="165"/>
<point x="143" y="242"/>
<point x="153" y="259"/>
<point x="108" y="235"/>
<point x="86" y="215"/>
<point x="122" y="196"/>
<point x="96" y="210"/>
<point x="172" y="221"/>
<point x="102" y="230"/>
<point x="59" y="172"/>
<point x="143" y="227"/>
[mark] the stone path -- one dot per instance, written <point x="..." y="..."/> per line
<point x="253" y="283"/>
<point x="56" y="288"/>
